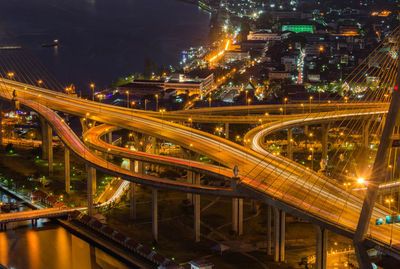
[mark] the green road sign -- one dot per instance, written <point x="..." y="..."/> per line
<point x="379" y="222"/>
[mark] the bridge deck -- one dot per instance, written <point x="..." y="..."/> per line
<point x="36" y="214"/>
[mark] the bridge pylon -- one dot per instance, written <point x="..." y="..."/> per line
<point x="379" y="169"/>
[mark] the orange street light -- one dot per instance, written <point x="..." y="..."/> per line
<point x="92" y="87"/>
<point x="127" y="99"/>
<point x="156" y="96"/>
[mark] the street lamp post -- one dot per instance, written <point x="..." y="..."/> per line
<point x="156" y="102"/>
<point x="92" y="87"/>
<point x="284" y="105"/>
<point x="310" y="104"/>
<point x="145" y="104"/>
<point x="10" y="75"/>
<point x="390" y="200"/>
<point x="209" y="102"/>
<point x="162" y="117"/>
<point x="190" y="122"/>
<point x="248" y="106"/>
<point x="312" y="158"/>
<point x="127" y="99"/>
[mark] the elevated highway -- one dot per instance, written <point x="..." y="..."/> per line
<point x="257" y="114"/>
<point x="36" y="214"/>
<point x="92" y="138"/>
<point x="77" y="146"/>
<point x="273" y="179"/>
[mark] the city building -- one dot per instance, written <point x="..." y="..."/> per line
<point x="298" y="28"/>
<point x="314" y="77"/>
<point x="265" y="35"/>
<point x="142" y="88"/>
<point x="177" y="84"/>
<point x="278" y="75"/>
<point x="253" y="45"/>
<point x="236" y="55"/>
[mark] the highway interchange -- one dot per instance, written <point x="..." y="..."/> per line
<point x="273" y="179"/>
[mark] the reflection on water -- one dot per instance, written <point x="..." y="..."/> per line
<point x="50" y="246"/>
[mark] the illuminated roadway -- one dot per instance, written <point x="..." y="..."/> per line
<point x="92" y="137"/>
<point x="274" y="112"/>
<point x="275" y="180"/>
<point x="36" y="214"/>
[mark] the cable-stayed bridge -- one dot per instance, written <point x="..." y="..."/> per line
<point x="280" y="182"/>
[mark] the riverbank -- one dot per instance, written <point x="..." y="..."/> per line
<point x="50" y="245"/>
<point x="106" y="246"/>
<point x="201" y="4"/>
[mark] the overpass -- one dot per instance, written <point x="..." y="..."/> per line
<point x="277" y="181"/>
<point x="34" y="215"/>
<point x="257" y="114"/>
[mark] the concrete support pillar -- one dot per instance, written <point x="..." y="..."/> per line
<point x="324" y="141"/>
<point x="43" y="127"/>
<point x="282" y="231"/>
<point x="109" y="138"/>
<point x="321" y="247"/>
<point x="139" y="167"/>
<point x="132" y="189"/>
<point x="227" y="130"/>
<point x="132" y="197"/>
<point x="154" y="209"/>
<point x="84" y="124"/>
<point x="154" y="150"/>
<point x="49" y="144"/>
<point x="307" y="138"/>
<point x="67" y="172"/>
<point x="196" y="207"/>
<point x="189" y="179"/>
<point x="290" y="144"/>
<point x="91" y="187"/>
<point x="279" y="235"/>
<point x="154" y="146"/>
<point x="240" y="217"/>
<point x="269" y="238"/>
<point x="237" y="215"/>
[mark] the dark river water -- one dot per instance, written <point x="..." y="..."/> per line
<point x="100" y="40"/>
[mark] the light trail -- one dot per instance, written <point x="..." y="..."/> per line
<point x="275" y="178"/>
